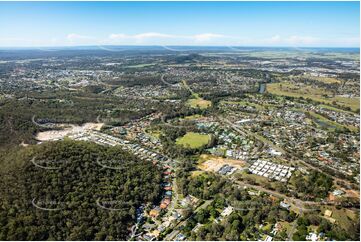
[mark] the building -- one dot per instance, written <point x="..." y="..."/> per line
<point x="227" y="211"/>
<point x="328" y="213"/>
<point x="285" y="205"/>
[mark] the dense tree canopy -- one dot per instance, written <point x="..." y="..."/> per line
<point x="72" y="191"/>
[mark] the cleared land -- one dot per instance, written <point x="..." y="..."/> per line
<point x="193" y="140"/>
<point x="344" y="217"/>
<point x="199" y="103"/>
<point x="70" y="129"/>
<point x="214" y="163"/>
<point x="196" y="101"/>
<point x="316" y="94"/>
<point x="323" y="79"/>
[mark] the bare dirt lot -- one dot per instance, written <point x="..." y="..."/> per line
<point x="70" y="129"/>
<point x="214" y="163"/>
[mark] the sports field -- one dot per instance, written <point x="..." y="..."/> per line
<point x="193" y="140"/>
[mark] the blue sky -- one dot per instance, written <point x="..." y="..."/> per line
<point x="296" y="24"/>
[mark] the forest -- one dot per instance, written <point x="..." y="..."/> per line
<point x="73" y="191"/>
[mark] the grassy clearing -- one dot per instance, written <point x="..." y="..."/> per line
<point x="344" y="217"/>
<point x="251" y="177"/>
<point x="316" y="94"/>
<point x="196" y="173"/>
<point x="255" y="105"/>
<point x="328" y="80"/>
<point x="285" y="226"/>
<point x="353" y="103"/>
<point x="193" y="140"/>
<point x="196" y="101"/>
<point x="154" y="133"/>
<point x="199" y="103"/>
<point x="335" y="109"/>
<point x="267" y="228"/>
<point x="193" y="117"/>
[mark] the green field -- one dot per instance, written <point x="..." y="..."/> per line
<point x="193" y="140"/>
<point x="198" y="103"/>
<point x="154" y="133"/>
<point x="335" y="109"/>
<point x="316" y="94"/>
<point x="323" y="79"/>
<point x="193" y="117"/>
<point x="344" y="217"/>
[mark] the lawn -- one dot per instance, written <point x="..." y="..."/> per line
<point x="193" y="140"/>
<point x="316" y="94"/>
<point x="198" y="103"/>
<point x="154" y="133"/>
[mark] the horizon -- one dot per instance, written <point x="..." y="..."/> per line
<point x="85" y="47"/>
<point x="238" y="24"/>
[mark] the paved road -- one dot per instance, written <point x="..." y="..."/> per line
<point x="294" y="224"/>
<point x="295" y="201"/>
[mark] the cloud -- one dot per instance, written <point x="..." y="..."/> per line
<point x="153" y="35"/>
<point x="117" y="36"/>
<point x="293" y="40"/>
<point x="75" y="37"/>
<point x="142" y="37"/>
<point x="207" y="37"/>
<point x="156" y="38"/>
<point x="275" y="39"/>
<point x="297" y="40"/>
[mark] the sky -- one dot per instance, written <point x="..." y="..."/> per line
<point x="288" y="24"/>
